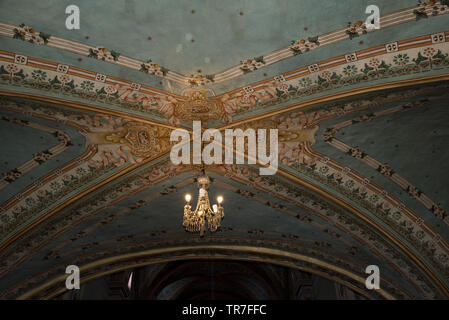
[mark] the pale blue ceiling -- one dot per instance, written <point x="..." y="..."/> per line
<point x="412" y="141"/>
<point x="219" y="32"/>
<point x="21" y="143"/>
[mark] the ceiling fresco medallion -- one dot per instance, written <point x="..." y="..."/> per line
<point x="144" y="140"/>
<point x="199" y="106"/>
<point x="141" y="138"/>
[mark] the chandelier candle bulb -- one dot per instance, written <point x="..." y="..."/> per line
<point x="188" y="197"/>
<point x="215" y="208"/>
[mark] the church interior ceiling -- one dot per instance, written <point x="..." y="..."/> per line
<point x="86" y="176"/>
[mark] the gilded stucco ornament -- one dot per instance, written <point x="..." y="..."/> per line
<point x="142" y="139"/>
<point x="199" y="106"/>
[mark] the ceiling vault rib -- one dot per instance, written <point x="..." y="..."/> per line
<point x="235" y="248"/>
<point x="335" y="96"/>
<point x="296" y="106"/>
<point x="313" y="271"/>
<point x="82" y="106"/>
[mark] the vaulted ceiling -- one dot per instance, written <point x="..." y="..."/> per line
<point x="362" y="117"/>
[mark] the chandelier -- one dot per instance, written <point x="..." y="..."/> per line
<point x="195" y="221"/>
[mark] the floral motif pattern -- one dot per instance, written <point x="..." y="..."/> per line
<point x="385" y="169"/>
<point x="350" y="70"/>
<point x="356" y="153"/>
<point x="87" y="85"/>
<point x="370" y="199"/>
<point x="305" y="82"/>
<point x="422" y="10"/>
<point x="252" y="64"/>
<point x="11" y="68"/>
<point x="435" y="7"/>
<point x="242" y="237"/>
<point x="63" y="182"/>
<point x="401" y="59"/>
<point x="361" y="190"/>
<point x="355" y="29"/>
<point x="200" y="80"/>
<point x="153" y="68"/>
<point x="103" y="54"/>
<point x="122" y="95"/>
<point x="26" y="33"/>
<point x="374" y="62"/>
<point x="302" y="46"/>
<point x="39" y="75"/>
<point x="267" y="94"/>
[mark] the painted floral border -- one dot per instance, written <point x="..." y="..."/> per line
<point x="61" y="80"/>
<point x="417" y="59"/>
